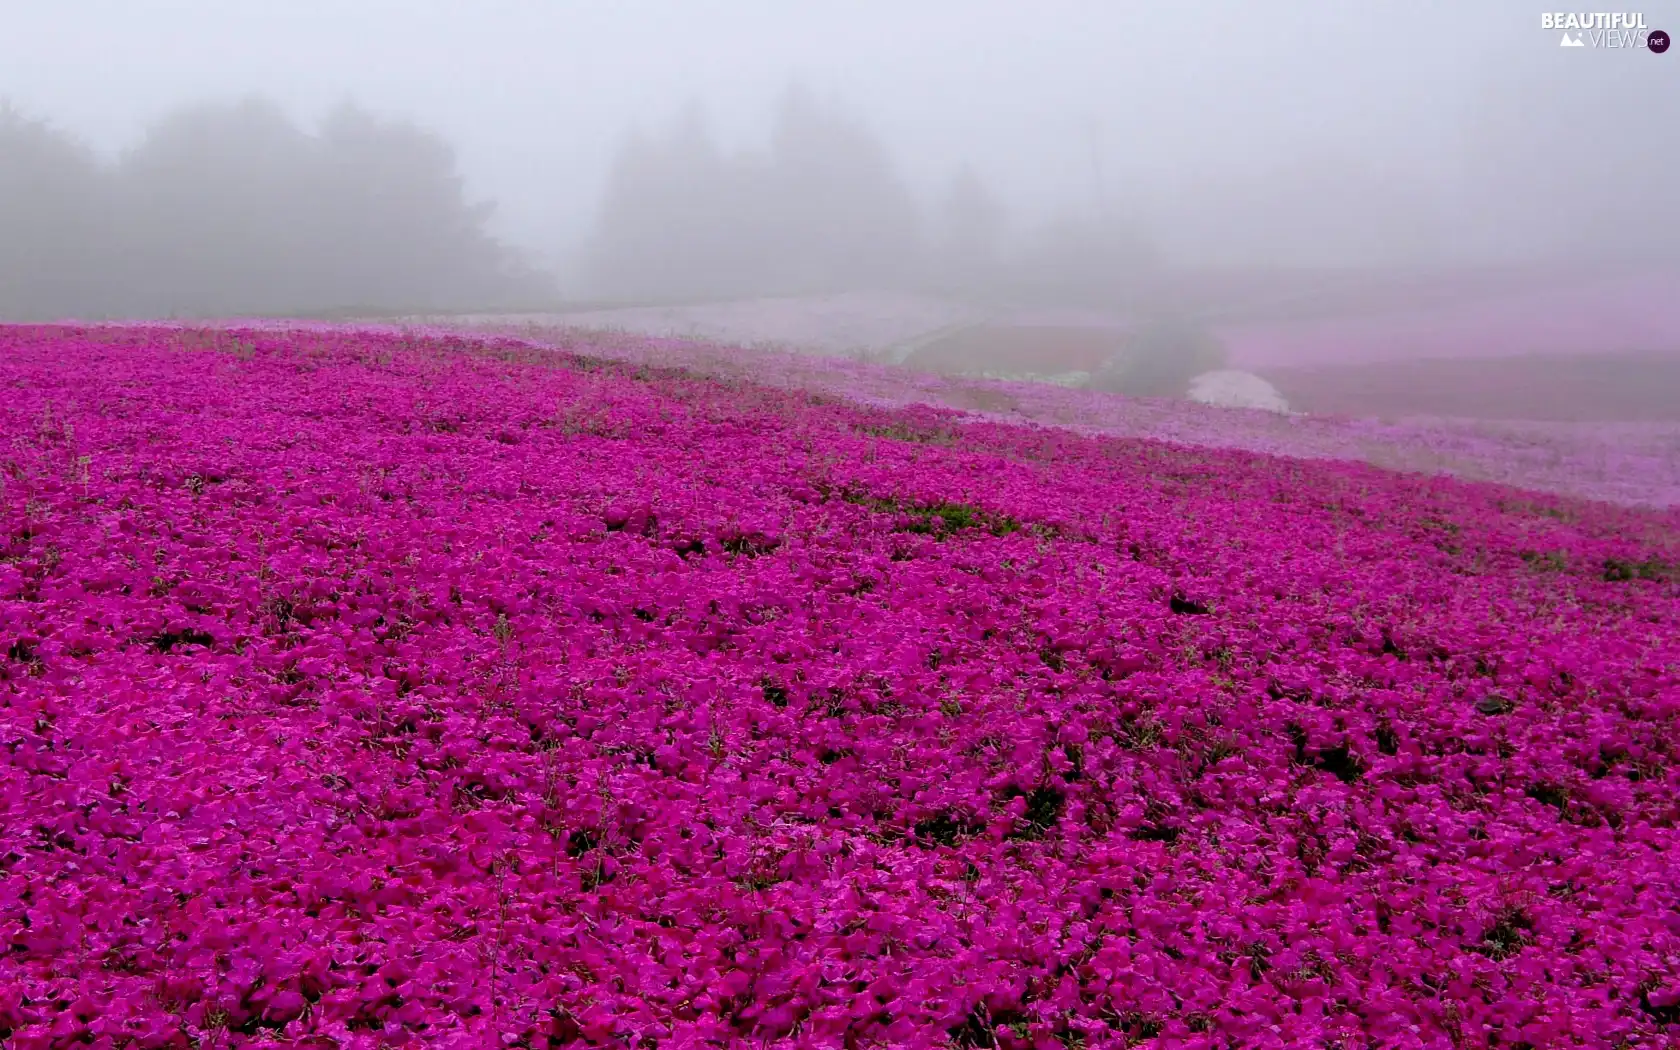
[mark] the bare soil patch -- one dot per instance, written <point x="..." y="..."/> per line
<point x="1040" y="349"/>
<point x="1580" y="388"/>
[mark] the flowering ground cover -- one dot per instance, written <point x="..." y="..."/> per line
<point x="846" y="325"/>
<point x="1628" y="463"/>
<point x="360" y="689"/>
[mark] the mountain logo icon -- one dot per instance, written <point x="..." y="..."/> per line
<point x="1569" y="41"/>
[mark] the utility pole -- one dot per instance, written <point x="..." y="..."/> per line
<point x="1099" y="194"/>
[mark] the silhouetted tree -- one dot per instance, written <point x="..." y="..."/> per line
<point x="843" y="216"/>
<point x="54" y="221"/>
<point x="215" y="213"/>
<point x="233" y="209"/>
<point x="969" y="229"/>
<point x="396" y="219"/>
<point x="1089" y="258"/>
<point x="820" y="210"/>
<point x="673" y="218"/>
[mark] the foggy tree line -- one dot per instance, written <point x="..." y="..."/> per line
<point x="234" y="209"/>
<point x="820" y="209"/>
<point x="1548" y="169"/>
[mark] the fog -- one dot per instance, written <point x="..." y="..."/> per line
<point x="203" y="157"/>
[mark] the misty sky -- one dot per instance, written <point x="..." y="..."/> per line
<point x="537" y="95"/>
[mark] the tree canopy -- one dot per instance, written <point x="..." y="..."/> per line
<point x="232" y="208"/>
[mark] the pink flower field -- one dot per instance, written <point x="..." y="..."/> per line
<point x="361" y="688"/>
<point x="1636" y="464"/>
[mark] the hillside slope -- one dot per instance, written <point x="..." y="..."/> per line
<point x="355" y="683"/>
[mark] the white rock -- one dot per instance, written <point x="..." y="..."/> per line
<point x="1232" y="389"/>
